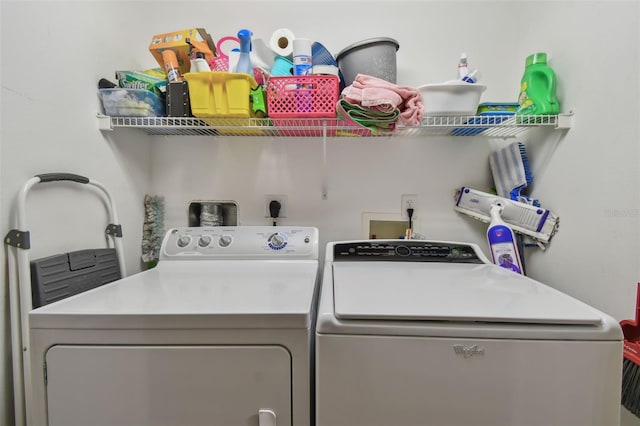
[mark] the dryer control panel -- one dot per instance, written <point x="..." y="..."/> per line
<point x="240" y="242"/>
<point x="407" y="251"/>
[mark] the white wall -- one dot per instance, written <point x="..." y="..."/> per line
<point x="53" y="54"/>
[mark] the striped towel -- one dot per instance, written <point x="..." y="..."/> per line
<point x="511" y="172"/>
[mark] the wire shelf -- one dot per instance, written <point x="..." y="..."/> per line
<point x="496" y="126"/>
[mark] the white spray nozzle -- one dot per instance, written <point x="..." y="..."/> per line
<point x="496" y="210"/>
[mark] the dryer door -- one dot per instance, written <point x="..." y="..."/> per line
<point x="167" y="385"/>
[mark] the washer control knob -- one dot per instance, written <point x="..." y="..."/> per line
<point x="183" y="241"/>
<point x="403" y="251"/>
<point x="204" y="240"/>
<point x="224" y="241"/>
<point x="277" y="241"/>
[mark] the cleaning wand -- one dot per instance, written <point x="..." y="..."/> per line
<point x="502" y="241"/>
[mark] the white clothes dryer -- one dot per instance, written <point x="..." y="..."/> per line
<point x="431" y="333"/>
<point x="220" y="332"/>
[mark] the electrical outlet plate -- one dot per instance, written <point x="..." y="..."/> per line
<point x="283" y="204"/>
<point x="408" y="201"/>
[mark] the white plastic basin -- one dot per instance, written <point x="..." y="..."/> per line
<point x="451" y="98"/>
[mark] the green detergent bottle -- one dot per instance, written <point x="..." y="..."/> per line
<point x="538" y="88"/>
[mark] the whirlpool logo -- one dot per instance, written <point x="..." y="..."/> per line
<point x="468" y="351"/>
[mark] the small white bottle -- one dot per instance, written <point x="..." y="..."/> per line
<point x="302" y="61"/>
<point x="199" y="64"/>
<point x="463" y="69"/>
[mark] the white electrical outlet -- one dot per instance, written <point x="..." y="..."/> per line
<point x="408" y="201"/>
<point x="282" y="199"/>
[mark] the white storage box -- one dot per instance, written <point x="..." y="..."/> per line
<point x="451" y="98"/>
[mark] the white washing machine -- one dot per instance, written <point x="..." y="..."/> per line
<point x="219" y="333"/>
<point x="431" y="333"/>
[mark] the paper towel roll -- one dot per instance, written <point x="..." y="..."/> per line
<point x="281" y="42"/>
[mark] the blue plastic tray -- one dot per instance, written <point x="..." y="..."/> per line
<point x="490" y="118"/>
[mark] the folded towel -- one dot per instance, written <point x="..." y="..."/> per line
<point x="374" y="120"/>
<point x="376" y="93"/>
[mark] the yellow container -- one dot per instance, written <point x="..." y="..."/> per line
<point x="221" y="94"/>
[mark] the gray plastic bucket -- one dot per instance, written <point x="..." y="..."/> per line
<point x="373" y="56"/>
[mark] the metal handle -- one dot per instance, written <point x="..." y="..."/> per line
<point x="54" y="177"/>
<point x="266" y="417"/>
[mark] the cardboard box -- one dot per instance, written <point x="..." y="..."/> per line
<point x="177" y="41"/>
<point x="143" y="80"/>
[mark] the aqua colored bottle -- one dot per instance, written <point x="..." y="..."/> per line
<point x="538" y="88"/>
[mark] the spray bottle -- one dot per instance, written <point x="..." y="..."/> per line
<point x="244" y="61"/>
<point x="463" y="70"/>
<point x="198" y="61"/>
<point x="199" y="64"/>
<point x="502" y="241"/>
<point x="302" y="60"/>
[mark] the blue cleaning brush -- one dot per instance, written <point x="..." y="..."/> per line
<point x="525" y="163"/>
<point x="511" y="172"/>
<point x="528" y="177"/>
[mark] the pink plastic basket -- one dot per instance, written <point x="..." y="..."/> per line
<point x="313" y="96"/>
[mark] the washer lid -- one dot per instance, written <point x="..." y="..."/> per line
<point x="194" y="294"/>
<point x="450" y="292"/>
